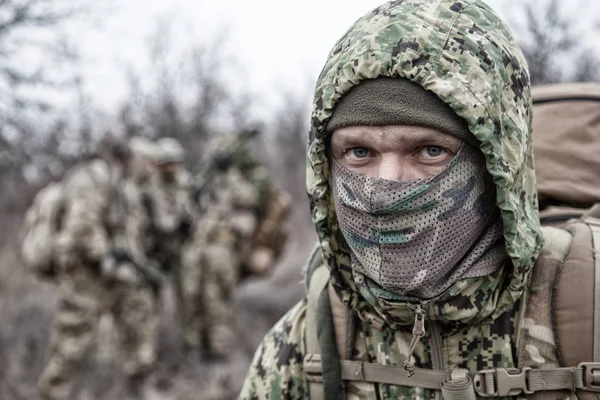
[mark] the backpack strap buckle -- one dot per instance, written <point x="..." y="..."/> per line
<point x="313" y="368"/>
<point x="500" y="382"/>
<point x="591" y="376"/>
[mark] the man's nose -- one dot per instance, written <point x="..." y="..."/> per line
<point x="396" y="168"/>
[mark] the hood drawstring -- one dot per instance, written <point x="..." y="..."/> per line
<point x="418" y="332"/>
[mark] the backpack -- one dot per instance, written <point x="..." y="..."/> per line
<point x="43" y="221"/>
<point x="566" y="144"/>
<point x="563" y="291"/>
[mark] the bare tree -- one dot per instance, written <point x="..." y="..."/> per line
<point x="185" y="94"/>
<point x="288" y="159"/>
<point x="31" y="48"/>
<point x="33" y="57"/>
<point x="554" y="43"/>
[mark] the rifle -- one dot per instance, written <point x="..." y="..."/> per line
<point x="151" y="275"/>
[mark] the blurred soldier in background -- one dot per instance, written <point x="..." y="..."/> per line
<point x="241" y="233"/>
<point x="144" y="152"/>
<point x="173" y="215"/>
<point x="101" y="267"/>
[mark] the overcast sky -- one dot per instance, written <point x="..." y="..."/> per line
<point x="279" y="44"/>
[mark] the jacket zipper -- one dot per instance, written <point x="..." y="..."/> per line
<point x="418" y="332"/>
<point x="437" y="350"/>
<point x="435" y="343"/>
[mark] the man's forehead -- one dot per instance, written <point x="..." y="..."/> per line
<point x="390" y="134"/>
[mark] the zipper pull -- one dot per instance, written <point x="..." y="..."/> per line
<point x="418" y="332"/>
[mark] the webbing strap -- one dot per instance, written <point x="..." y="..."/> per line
<point x="461" y="391"/>
<point x="511" y="381"/>
<point x="318" y="282"/>
<point x="555" y="379"/>
<point x="394" y="375"/>
<point x="459" y="386"/>
<point x="498" y="382"/>
<point x="315" y="260"/>
<point x="594" y="224"/>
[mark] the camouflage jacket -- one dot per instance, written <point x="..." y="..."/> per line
<point x="229" y="206"/>
<point x="467" y="56"/>
<point x="102" y="211"/>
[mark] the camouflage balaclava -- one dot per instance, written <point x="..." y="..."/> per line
<point x="415" y="238"/>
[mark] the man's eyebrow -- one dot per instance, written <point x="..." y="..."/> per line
<point x="430" y="136"/>
<point x="350" y="139"/>
<point x="353" y="137"/>
<point x="364" y="137"/>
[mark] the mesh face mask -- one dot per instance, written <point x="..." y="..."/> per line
<point x="417" y="238"/>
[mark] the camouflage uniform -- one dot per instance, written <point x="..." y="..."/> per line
<point x="173" y="214"/>
<point x="102" y="214"/>
<point x="143" y="152"/>
<point x="230" y="202"/>
<point x="463" y="53"/>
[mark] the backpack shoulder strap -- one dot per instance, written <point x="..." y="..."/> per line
<point x="575" y="303"/>
<point x="561" y="322"/>
<point x="315" y="260"/>
<point x="318" y="283"/>
<point x="316" y="277"/>
<point x="535" y="333"/>
<point x="327" y="327"/>
<point x="594" y="226"/>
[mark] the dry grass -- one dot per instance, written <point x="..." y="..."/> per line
<point x="27" y="309"/>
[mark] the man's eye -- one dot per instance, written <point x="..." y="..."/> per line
<point x="434" y="151"/>
<point x="359" y="152"/>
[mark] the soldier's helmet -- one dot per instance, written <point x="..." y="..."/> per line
<point x="220" y="146"/>
<point x="169" y="150"/>
<point x="225" y="150"/>
<point x="142" y="147"/>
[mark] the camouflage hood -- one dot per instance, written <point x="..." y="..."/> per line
<point x="462" y="52"/>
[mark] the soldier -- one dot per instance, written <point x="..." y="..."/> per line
<point x="429" y="280"/>
<point x="143" y="154"/>
<point x="241" y="233"/>
<point x="144" y="173"/>
<point x="173" y="214"/>
<point x="101" y="268"/>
